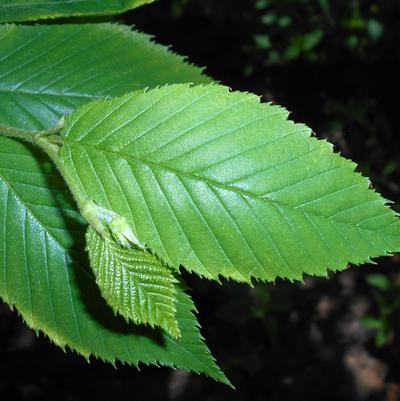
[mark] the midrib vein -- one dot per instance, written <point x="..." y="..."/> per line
<point x="212" y="183"/>
<point x="60" y="94"/>
<point x="31" y="212"/>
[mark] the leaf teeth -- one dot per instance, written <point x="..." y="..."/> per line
<point x="225" y="186"/>
<point x="58" y="55"/>
<point x="134" y="283"/>
<point x="42" y="278"/>
<point x="48" y="286"/>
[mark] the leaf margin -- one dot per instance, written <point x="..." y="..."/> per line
<point x="304" y="131"/>
<point x="30" y="12"/>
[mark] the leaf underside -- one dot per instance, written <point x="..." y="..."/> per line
<point x="30" y="10"/>
<point x="134" y="283"/>
<point x="226" y="186"/>
<point x="46" y="72"/>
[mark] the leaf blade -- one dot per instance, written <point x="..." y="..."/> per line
<point x="38" y="9"/>
<point x="35" y="185"/>
<point x="48" y="71"/>
<point x="197" y="163"/>
<point x="134" y="283"/>
<point x="42" y="274"/>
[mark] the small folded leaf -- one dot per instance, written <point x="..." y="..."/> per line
<point x="134" y="283"/>
<point x="226" y="186"/>
<point x="30" y="10"/>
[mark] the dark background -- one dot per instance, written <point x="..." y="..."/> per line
<point x="335" y="65"/>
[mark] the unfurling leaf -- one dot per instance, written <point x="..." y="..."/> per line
<point x="226" y="186"/>
<point x="134" y="283"/>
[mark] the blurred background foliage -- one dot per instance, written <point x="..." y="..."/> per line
<point x="335" y="64"/>
<point x="312" y="29"/>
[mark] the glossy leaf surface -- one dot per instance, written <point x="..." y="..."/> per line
<point x="47" y="71"/>
<point x="226" y="186"/>
<point x="30" y="10"/>
<point x="134" y="283"/>
<point x="43" y="274"/>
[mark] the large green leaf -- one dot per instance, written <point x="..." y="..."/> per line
<point x="29" y="10"/>
<point x="42" y="273"/>
<point x="47" y="71"/>
<point x="133" y="282"/>
<point x="224" y="185"/>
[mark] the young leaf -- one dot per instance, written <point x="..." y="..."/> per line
<point x="224" y="185"/>
<point x="43" y="274"/>
<point x="30" y="10"/>
<point x="46" y="71"/>
<point x="134" y="283"/>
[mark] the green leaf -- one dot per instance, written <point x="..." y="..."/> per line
<point x="226" y="186"/>
<point x="46" y="71"/>
<point x="372" y="322"/>
<point x="379" y="281"/>
<point x="375" y="28"/>
<point x="43" y="274"/>
<point x="134" y="283"/>
<point x="30" y="10"/>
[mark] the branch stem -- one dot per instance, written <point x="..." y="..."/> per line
<point x="17" y="133"/>
<point x="104" y="221"/>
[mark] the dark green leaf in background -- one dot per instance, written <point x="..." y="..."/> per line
<point x="43" y="274"/>
<point x="30" y="10"/>
<point x="47" y="71"/>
